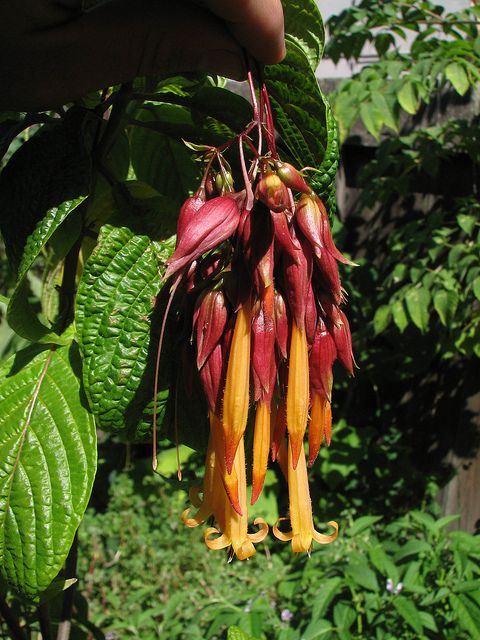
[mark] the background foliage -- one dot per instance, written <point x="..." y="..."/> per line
<point x="414" y="310"/>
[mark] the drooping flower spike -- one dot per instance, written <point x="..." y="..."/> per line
<point x="262" y="311"/>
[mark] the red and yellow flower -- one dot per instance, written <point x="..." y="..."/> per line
<point x="260" y="272"/>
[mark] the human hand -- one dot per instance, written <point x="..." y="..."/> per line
<point x="51" y="52"/>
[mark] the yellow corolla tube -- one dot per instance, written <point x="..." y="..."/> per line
<point x="236" y="396"/>
<point x="298" y="391"/>
<point x="301" y="520"/>
<point x="233" y="528"/>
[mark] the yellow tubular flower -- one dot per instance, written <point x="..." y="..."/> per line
<point x="303" y="530"/>
<point x="230" y="480"/>
<point x="235" y="526"/>
<point x="211" y="491"/>
<point x="298" y="394"/>
<point x="320" y="425"/>
<point x="236" y="396"/>
<point x="261" y="446"/>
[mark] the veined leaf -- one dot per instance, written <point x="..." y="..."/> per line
<point x="47" y="464"/>
<point x="445" y="303"/>
<point x="408" y="98"/>
<point x="457" y="75"/>
<point x="305" y="120"/>
<point x="304" y="25"/>
<point x="418" y="301"/>
<point x="115" y="310"/>
<point x="399" y="315"/>
<point x="409" y="613"/>
<point x="21" y="316"/>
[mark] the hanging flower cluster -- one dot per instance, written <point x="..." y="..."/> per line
<point x="262" y="295"/>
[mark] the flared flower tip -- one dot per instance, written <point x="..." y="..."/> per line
<point x="243" y="547"/>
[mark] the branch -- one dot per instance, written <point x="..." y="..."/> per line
<point x="11" y="620"/>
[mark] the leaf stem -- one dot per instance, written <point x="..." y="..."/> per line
<point x="65" y="625"/>
<point x="43" y="613"/>
<point x="11" y="620"/>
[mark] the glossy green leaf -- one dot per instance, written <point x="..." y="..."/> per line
<point x="418" y="301"/>
<point x="409" y="612"/>
<point x="457" y="75"/>
<point x="445" y="303"/>
<point x="408" y="98"/>
<point x="304" y="26"/>
<point x="21" y="315"/>
<point x="47" y="462"/>
<point x="305" y="120"/>
<point x="399" y="315"/>
<point x="467" y="223"/>
<point x="115" y="309"/>
<point x="362" y="523"/>
<point x="382" y="318"/>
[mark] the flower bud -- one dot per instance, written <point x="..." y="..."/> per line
<point x="212" y="224"/>
<point x="189" y="209"/>
<point x="210" y="323"/>
<point x="291" y="177"/>
<point x="281" y="324"/>
<point x="272" y="192"/>
<point x="283" y="237"/>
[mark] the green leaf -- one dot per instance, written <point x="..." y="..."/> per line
<point x="476" y="287"/>
<point x="445" y="303"/>
<point x="399" y="315"/>
<point x="382" y="318"/>
<point x="325" y="594"/>
<point x="161" y="160"/>
<point x="53" y="166"/>
<point x="115" y="309"/>
<point x="360" y="524"/>
<point x="412" y="548"/>
<point x="305" y="120"/>
<point x="47" y="462"/>
<point x="467" y="223"/>
<point x="343" y="616"/>
<point x="467" y="614"/>
<point x="235" y="633"/>
<point x="457" y="75"/>
<point x="418" y="301"/>
<point x="304" y="26"/>
<point x="408" y="98"/>
<point x="21" y="315"/>
<point x="383" y="563"/>
<point x="318" y="629"/>
<point x="361" y="573"/>
<point x="409" y="612"/>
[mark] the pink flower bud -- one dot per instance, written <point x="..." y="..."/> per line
<point x="263" y="351"/>
<point x="309" y="220"/>
<point x="321" y="359"/>
<point x="210" y="324"/>
<point x="272" y="192"/>
<point x="291" y="177"/>
<point x="310" y="316"/>
<point x="340" y="330"/>
<point x="283" y="237"/>
<point x="190" y="207"/>
<point x="297" y="277"/>
<point x="326" y="235"/>
<point x="213" y="223"/>
<point x="211" y="377"/>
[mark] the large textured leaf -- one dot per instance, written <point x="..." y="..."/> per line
<point x="304" y="25"/>
<point x="115" y="310"/>
<point x="53" y="166"/>
<point x="304" y="120"/>
<point x="47" y="464"/>
<point x="118" y="323"/>
<point x="21" y="316"/>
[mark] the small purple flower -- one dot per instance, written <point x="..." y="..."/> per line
<point x="391" y="588"/>
<point x="286" y="615"/>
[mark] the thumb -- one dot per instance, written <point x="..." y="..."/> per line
<point x="114" y="44"/>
